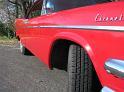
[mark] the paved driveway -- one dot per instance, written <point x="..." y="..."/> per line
<point x="20" y="73"/>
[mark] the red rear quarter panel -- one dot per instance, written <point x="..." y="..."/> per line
<point x="101" y="45"/>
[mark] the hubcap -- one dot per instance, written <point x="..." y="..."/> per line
<point x="21" y="47"/>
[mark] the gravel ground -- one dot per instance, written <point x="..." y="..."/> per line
<point x="20" y="73"/>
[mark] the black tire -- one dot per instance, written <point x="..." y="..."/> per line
<point x="80" y="70"/>
<point x="24" y="50"/>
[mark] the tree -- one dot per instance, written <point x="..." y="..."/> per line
<point x="12" y="9"/>
<point x="24" y="6"/>
<point x="7" y="17"/>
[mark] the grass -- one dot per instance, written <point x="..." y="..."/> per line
<point x="6" y="41"/>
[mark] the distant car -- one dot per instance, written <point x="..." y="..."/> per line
<point x="84" y="37"/>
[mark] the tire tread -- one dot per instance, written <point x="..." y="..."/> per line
<point x="80" y="70"/>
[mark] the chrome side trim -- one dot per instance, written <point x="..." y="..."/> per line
<point x="106" y="89"/>
<point x="115" y="67"/>
<point x="111" y="28"/>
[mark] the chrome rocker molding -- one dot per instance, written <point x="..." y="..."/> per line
<point x="115" y="67"/>
<point x="86" y="27"/>
<point x="106" y="89"/>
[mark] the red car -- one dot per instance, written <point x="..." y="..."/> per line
<point x="83" y="37"/>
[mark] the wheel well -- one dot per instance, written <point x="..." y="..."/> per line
<point x="18" y="38"/>
<point x="59" y="58"/>
<point x="59" y="54"/>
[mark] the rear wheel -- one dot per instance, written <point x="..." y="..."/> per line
<point x="24" y="50"/>
<point x="80" y="70"/>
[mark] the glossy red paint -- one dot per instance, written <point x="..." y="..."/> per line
<point x="99" y="44"/>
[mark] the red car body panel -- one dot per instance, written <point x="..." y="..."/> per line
<point x="101" y="45"/>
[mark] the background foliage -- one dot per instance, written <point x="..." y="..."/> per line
<point x="9" y="11"/>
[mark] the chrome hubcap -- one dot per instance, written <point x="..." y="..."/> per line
<point x="21" y="47"/>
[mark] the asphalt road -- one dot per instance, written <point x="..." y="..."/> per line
<point x="20" y="73"/>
